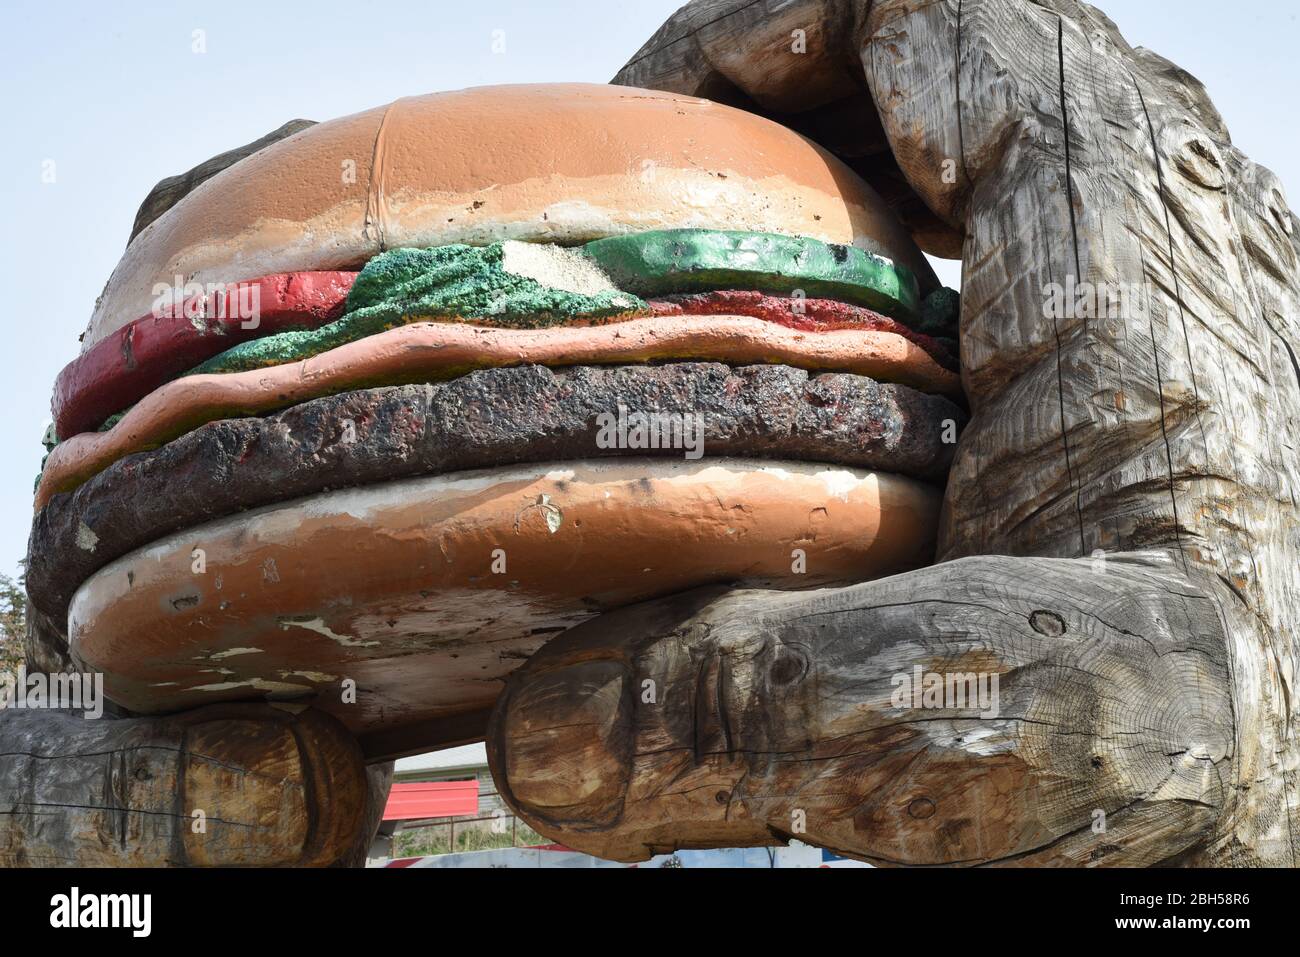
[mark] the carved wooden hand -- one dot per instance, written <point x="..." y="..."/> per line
<point x="1128" y="342"/>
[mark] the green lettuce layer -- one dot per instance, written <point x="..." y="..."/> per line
<point x="699" y="260"/>
<point x="471" y="283"/>
<point x="448" y="283"/>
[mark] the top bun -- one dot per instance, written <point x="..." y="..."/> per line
<point x="563" y="163"/>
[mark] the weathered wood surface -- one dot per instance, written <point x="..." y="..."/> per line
<point x="379" y="781"/>
<point x="45" y="646"/>
<point x="273" y="789"/>
<point x="1063" y="157"/>
<point x="737" y="718"/>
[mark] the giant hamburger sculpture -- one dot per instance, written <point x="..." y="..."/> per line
<point x="393" y="400"/>
<point x="423" y="426"/>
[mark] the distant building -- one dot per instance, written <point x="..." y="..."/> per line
<point x="466" y="763"/>
<point x="410" y="806"/>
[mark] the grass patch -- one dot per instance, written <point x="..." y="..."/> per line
<point x="427" y="841"/>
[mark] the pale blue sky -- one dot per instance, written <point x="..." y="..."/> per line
<point x="115" y="96"/>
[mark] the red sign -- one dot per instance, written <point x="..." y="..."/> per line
<point x="411" y="802"/>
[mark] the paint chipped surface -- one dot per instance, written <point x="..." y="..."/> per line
<point x="259" y="684"/>
<point x="552" y="514"/>
<point x="232" y="652"/>
<point x="318" y="625"/>
<point x="270" y="573"/>
<point x="86" y="537"/>
<point x="319" y="677"/>
<point x="840" y="482"/>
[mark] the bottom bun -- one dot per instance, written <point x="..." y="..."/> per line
<point x="425" y="592"/>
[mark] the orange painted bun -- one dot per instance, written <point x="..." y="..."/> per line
<point x="564" y="163"/>
<point x="425" y="592"/>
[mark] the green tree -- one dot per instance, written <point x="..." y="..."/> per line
<point x="13" y="624"/>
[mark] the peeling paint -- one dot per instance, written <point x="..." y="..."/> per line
<point x="87" y="540"/>
<point x="319" y="677"/>
<point x="552" y="513"/>
<point x="318" y="625"/>
<point x="261" y="684"/>
<point x="232" y="652"/>
<point x="270" y="574"/>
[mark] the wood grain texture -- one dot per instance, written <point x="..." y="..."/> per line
<point x="1167" y="424"/>
<point x="1065" y="157"/>
<point x="739" y="718"/>
<point x="274" y="789"/>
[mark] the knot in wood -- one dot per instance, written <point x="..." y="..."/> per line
<point x="921" y="808"/>
<point x="1047" y="623"/>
